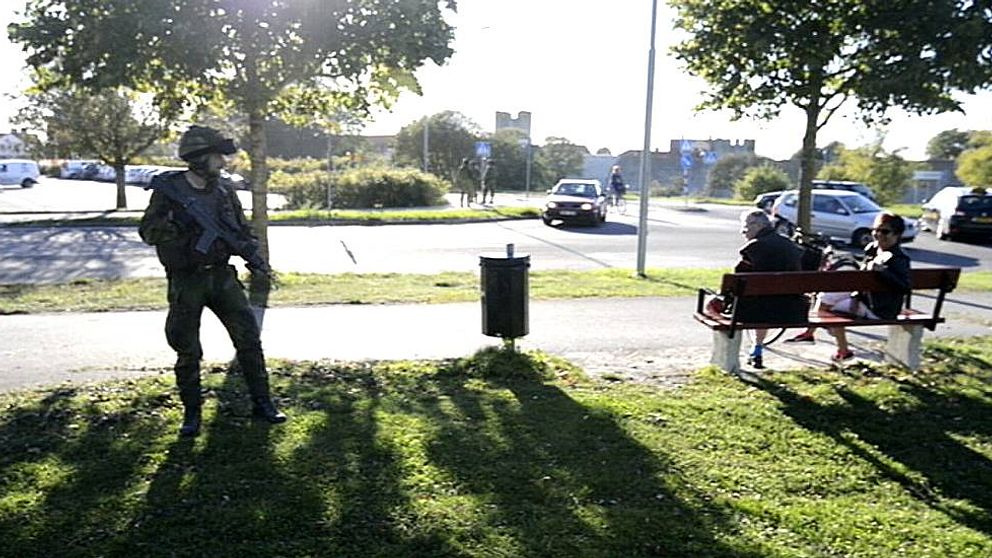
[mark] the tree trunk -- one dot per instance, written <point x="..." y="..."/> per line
<point x="259" y="286"/>
<point x="119" y="179"/>
<point x="807" y="168"/>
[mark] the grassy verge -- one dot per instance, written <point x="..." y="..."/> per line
<point x="317" y="217"/>
<point x="510" y="455"/>
<point x="296" y="289"/>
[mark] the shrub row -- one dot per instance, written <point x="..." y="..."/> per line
<point x="361" y="188"/>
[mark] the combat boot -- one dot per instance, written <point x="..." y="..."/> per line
<point x="263" y="407"/>
<point x="191" y="421"/>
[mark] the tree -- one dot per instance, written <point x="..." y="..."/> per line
<point x="510" y="153"/>
<point x="948" y="144"/>
<point x="975" y="163"/>
<point x="451" y="138"/>
<point x="887" y="173"/>
<point x="815" y="55"/>
<point x="300" y="59"/>
<point x="761" y="179"/>
<point x="562" y="158"/>
<point x="112" y="125"/>
<point x="728" y="170"/>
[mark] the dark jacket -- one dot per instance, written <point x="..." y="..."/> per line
<point x="174" y="234"/>
<point x="770" y="251"/>
<point x="894" y="267"/>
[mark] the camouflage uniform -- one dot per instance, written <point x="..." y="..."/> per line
<point x="197" y="281"/>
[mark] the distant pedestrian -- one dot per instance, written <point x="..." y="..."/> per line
<point x="489" y="180"/>
<point x="465" y="179"/>
<point x="198" y="274"/>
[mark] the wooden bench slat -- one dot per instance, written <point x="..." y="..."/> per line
<point x="800" y="282"/>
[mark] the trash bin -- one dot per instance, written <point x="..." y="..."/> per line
<point x="505" y="285"/>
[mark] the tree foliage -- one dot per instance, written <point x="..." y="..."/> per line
<point x="887" y="174"/>
<point x="510" y="153"/>
<point x="760" y="179"/>
<point x="948" y="144"/>
<point x="561" y="158"/>
<point x="451" y="138"/>
<point x="111" y="125"/>
<point x="975" y="163"/>
<point x="728" y="170"/>
<point x="300" y="59"/>
<point x="759" y="57"/>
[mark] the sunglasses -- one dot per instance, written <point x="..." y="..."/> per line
<point x="882" y="231"/>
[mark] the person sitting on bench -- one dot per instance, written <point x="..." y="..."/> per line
<point x="886" y="256"/>
<point x="766" y="250"/>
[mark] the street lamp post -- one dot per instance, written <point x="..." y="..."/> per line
<point x="642" y="225"/>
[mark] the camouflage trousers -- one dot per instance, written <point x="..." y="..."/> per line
<point x="215" y="287"/>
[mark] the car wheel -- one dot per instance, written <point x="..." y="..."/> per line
<point x="861" y="238"/>
<point x="27" y="183"/>
<point x="547" y="220"/>
<point x="784" y="227"/>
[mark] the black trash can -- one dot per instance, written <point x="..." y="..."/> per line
<point x="505" y="290"/>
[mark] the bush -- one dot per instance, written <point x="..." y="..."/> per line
<point x="758" y="180"/>
<point x="361" y="188"/>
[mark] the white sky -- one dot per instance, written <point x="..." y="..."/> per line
<point x="580" y="68"/>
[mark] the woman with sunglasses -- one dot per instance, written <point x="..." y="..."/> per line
<point x="884" y="255"/>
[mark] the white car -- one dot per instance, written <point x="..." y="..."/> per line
<point x="21" y="172"/>
<point x="837" y="214"/>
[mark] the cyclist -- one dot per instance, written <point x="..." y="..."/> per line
<point x="617" y="186"/>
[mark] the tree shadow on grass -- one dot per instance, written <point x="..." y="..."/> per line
<point x="557" y="477"/>
<point x="917" y="444"/>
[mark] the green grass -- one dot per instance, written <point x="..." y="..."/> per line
<point x="911" y="210"/>
<point x="510" y="455"/>
<point x="316" y="217"/>
<point x="297" y="289"/>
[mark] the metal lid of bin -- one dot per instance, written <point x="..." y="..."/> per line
<point x="503" y="261"/>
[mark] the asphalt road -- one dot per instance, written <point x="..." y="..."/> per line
<point x="679" y="236"/>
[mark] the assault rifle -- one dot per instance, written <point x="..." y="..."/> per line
<point x="214" y="228"/>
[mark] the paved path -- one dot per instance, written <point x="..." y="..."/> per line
<point x="644" y="339"/>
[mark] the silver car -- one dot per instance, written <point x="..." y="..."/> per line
<point x="838" y="214"/>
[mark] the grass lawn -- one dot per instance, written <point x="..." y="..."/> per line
<point x="501" y="454"/>
<point x="295" y="289"/>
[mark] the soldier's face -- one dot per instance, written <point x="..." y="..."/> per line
<point x="215" y="162"/>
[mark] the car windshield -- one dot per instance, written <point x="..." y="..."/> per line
<point x="572" y="189"/>
<point x="974" y="203"/>
<point x="861" y="204"/>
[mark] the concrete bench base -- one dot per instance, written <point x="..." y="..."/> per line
<point x="903" y="348"/>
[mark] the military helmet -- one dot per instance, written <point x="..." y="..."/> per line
<point x="201" y="140"/>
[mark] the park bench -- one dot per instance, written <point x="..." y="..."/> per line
<point x="905" y="331"/>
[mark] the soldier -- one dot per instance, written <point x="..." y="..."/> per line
<point x="489" y="180"/>
<point x="198" y="271"/>
<point x="465" y="178"/>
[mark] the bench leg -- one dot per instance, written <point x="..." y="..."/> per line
<point x="905" y="345"/>
<point x="727" y="351"/>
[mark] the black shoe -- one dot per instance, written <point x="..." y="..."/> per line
<point x="755" y="361"/>
<point x="263" y="408"/>
<point x="191" y="422"/>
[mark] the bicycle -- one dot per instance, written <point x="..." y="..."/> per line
<point x="617" y="202"/>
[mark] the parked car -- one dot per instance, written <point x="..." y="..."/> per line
<point x="858" y="187"/>
<point x="836" y="214"/>
<point x="955" y="211"/>
<point x="21" y="172"/>
<point x="767" y="200"/>
<point x="575" y="200"/>
<point x="73" y="168"/>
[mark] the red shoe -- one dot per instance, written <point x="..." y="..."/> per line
<point x="803" y="337"/>
<point x="841" y="357"/>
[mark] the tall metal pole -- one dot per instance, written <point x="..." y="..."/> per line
<point x="645" y="178"/>
<point x="527" y="168"/>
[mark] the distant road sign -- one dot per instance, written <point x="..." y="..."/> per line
<point x="686" y="161"/>
<point x="710" y="158"/>
<point x="686" y="146"/>
<point x="483" y="149"/>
